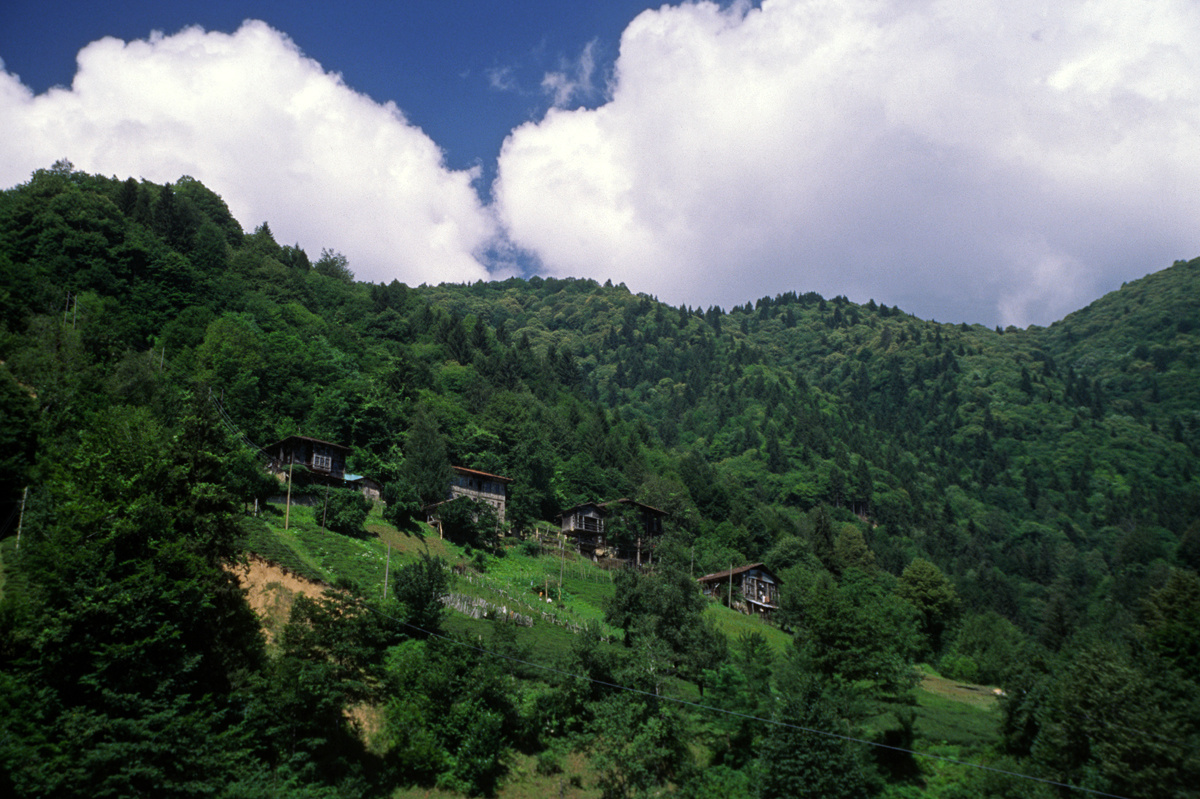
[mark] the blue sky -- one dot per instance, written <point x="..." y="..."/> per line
<point x="1002" y="162"/>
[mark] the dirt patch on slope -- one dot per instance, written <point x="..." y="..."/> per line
<point x="271" y="590"/>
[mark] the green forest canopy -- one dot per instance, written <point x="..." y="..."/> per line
<point x="999" y="502"/>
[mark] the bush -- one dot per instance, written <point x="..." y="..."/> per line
<point x="346" y="512"/>
<point x="420" y="585"/>
<point x="548" y="763"/>
<point x="959" y="667"/>
<point x="470" y="521"/>
<point x="402" y="504"/>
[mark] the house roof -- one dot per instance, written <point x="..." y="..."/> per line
<point x="311" y="440"/>
<point x="475" y="472"/>
<point x="642" y="505"/>
<point x="574" y="508"/>
<point x="605" y="507"/>
<point x="715" y="576"/>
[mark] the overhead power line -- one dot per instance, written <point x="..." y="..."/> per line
<point x="233" y="428"/>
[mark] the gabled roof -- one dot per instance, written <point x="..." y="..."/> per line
<point x="725" y="575"/>
<point x="597" y="505"/>
<point x="642" y="505"/>
<point x="607" y="507"/>
<point x="310" y="440"/>
<point x="463" y="470"/>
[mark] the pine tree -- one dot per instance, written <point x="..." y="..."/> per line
<point x="796" y="763"/>
<point x="426" y="464"/>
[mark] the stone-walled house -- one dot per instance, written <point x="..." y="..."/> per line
<point x="477" y="485"/>
<point x="489" y="488"/>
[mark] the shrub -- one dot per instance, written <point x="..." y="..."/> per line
<point x="346" y="512"/>
<point x="469" y="521"/>
<point x="402" y="504"/>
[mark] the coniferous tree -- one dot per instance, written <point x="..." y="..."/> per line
<point x="795" y="762"/>
<point x="426" y="463"/>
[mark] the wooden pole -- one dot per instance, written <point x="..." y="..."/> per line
<point x="562" y="563"/>
<point x="21" y="518"/>
<point x="386" y="565"/>
<point x="731" y="585"/>
<point x="287" y="511"/>
<point x="326" y="508"/>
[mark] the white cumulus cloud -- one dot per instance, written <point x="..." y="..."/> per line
<point x="278" y="137"/>
<point x="1001" y="161"/>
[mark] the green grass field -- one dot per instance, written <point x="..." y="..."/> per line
<point x="736" y="625"/>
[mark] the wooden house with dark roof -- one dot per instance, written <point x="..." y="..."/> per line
<point x="590" y="524"/>
<point x="752" y="589"/>
<point x="321" y="462"/>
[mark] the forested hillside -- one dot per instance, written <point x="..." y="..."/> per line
<point x="1014" y="507"/>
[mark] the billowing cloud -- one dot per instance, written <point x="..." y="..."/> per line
<point x="278" y="137"/>
<point x="996" y="161"/>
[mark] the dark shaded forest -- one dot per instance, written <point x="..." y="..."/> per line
<point x="1019" y="508"/>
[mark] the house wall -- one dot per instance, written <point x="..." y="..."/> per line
<point x="492" y="492"/>
<point x="587" y="519"/>
<point x="756" y="593"/>
<point x="317" y="457"/>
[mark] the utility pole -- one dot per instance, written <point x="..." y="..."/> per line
<point x="21" y="518"/>
<point x="386" y="566"/>
<point x="287" y="512"/>
<point x="561" y="564"/>
<point x="72" y="308"/>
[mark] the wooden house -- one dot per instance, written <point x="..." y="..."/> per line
<point x="590" y="524"/>
<point x="752" y="589"/>
<point x="308" y="459"/>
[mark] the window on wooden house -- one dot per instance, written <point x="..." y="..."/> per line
<point x="324" y="462"/>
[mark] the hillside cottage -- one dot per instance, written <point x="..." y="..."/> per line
<point x="311" y="461"/>
<point x="752" y="589"/>
<point x="370" y="489"/>
<point x="322" y="462"/>
<point x="477" y="485"/>
<point x="592" y="525"/>
<point x="489" y="488"/>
